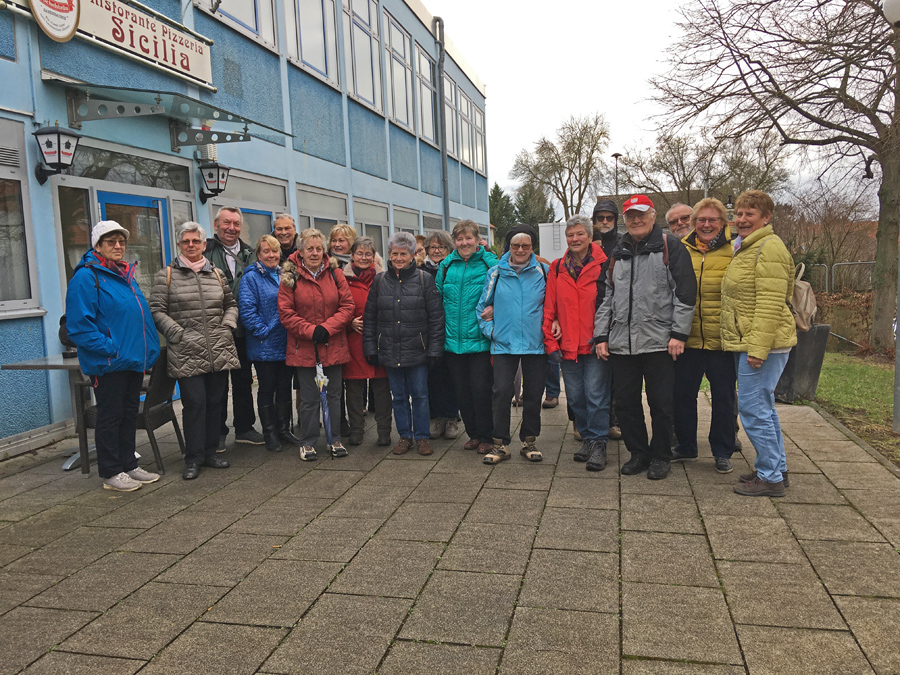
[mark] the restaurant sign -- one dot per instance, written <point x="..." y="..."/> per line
<point x="57" y="18"/>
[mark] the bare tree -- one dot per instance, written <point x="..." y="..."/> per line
<point x="816" y="73"/>
<point x="568" y="168"/>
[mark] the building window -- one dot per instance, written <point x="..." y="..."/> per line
<point x="320" y="209"/>
<point x="256" y="16"/>
<point x="450" y="114"/>
<point x="312" y="38"/>
<point x="406" y="221"/>
<point x="399" y="72"/>
<point x="18" y="271"/>
<point x="361" y="51"/>
<point x="372" y="220"/>
<point x="425" y="76"/>
<point x="480" y="146"/>
<point x="465" y="129"/>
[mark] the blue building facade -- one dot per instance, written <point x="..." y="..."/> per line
<point x="340" y="100"/>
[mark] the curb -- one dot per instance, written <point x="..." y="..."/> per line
<point x="884" y="461"/>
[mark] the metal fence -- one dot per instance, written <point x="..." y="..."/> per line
<point x="842" y="276"/>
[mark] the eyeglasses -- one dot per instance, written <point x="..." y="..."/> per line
<point x="605" y="219"/>
<point x="437" y="248"/>
<point x="708" y="221"/>
<point x="115" y="242"/>
<point x="364" y="255"/>
<point x="682" y="219"/>
<point x="520" y="246"/>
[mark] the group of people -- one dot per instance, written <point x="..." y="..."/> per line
<point x="444" y="329"/>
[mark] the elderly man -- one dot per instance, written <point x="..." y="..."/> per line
<point x="229" y="254"/>
<point x="678" y="218"/>
<point x="641" y="327"/>
<point x="285" y="231"/>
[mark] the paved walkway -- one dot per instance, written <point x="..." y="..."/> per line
<point x="376" y="563"/>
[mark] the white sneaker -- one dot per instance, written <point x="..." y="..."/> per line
<point x="437" y="427"/>
<point x="451" y="431"/>
<point x="121" y="483"/>
<point x="142" y="476"/>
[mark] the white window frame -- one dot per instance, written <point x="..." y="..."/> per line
<point x="480" y="158"/>
<point x="329" y="9"/>
<point x="355" y="23"/>
<point x="402" y="59"/>
<point x="450" y="98"/>
<point x="466" y="126"/>
<point x="221" y="14"/>
<point x="429" y="85"/>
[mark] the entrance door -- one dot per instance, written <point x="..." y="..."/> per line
<point x="147" y="221"/>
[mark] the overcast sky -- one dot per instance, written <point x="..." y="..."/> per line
<point x="543" y="62"/>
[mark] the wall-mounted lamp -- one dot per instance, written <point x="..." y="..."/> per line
<point x="215" y="176"/>
<point x="58" y="148"/>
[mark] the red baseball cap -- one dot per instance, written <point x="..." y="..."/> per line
<point x="637" y="203"/>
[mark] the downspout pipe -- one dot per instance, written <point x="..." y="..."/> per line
<point x="437" y="28"/>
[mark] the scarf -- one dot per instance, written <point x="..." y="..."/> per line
<point x="711" y="246"/>
<point x="197" y="267"/>
<point x="120" y="267"/>
<point x="572" y="266"/>
<point x="342" y="259"/>
<point x="366" y="276"/>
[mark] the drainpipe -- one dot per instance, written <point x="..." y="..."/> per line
<point x="437" y="27"/>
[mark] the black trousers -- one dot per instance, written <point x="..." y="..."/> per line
<point x="201" y="397"/>
<point x="381" y="405"/>
<point x="241" y="394"/>
<point x="473" y="379"/>
<point x="534" y="378"/>
<point x="274" y="378"/>
<point x="655" y="372"/>
<point x="442" y="393"/>
<point x="118" y="399"/>
<point x="720" y="371"/>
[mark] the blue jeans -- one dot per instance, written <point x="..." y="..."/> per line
<point x="587" y="390"/>
<point x="552" y="385"/>
<point x="410" y="383"/>
<point x="756" y="403"/>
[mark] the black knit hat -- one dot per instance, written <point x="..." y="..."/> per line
<point x="521" y="228"/>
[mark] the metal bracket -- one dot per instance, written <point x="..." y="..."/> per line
<point x="184" y="135"/>
<point x="85" y="109"/>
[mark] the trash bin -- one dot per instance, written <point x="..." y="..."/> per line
<point x="801" y="374"/>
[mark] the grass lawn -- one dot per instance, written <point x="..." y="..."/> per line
<point x="859" y="391"/>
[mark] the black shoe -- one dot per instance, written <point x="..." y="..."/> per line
<point x="597" y="461"/>
<point x="724" y="465"/>
<point x="356" y="438"/>
<point x="284" y="415"/>
<point x="635" y="465"/>
<point x="251" y="436"/>
<point x="191" y="471"/>
<point x="216" y="463"/>
<point x="658" y="470"/>
<point x="679" y="456"/>
<point x="384" y="438"/>
<point x="269" y="422"/>
<point x="585" y="452"/>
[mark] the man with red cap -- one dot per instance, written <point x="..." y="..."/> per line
<point x="641" y="328"/>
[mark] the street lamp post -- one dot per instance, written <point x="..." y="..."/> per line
<point x="616" y="156"/>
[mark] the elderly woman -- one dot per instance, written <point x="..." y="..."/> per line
<point x="360" y="274"/>
<point x="267" y="342"/>
<point x="403" y="330"/>
<point x="758" y="325"/>
<point x="460" y="281"/>
<point x="315" y="306"/>
<point x="108" y="319"/>
<point x="709" y="243"/>
<point x="193" y="308"/>
<point x="573" y="295"/>
<point x="442" y="404"/>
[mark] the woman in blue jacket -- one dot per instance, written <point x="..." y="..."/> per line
<point x="267" y="342"/>
<point x="109" y="320"/>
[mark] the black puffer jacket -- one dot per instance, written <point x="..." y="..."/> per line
<point x="404" y="319"/>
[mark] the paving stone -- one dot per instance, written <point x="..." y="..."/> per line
<point x="852" y="568"/>
<point x="569" y="468"/>
<point x="144" y="622"/>
<point x="507" y="507"/>
<point x="322" y="484"/>
<point x="61" y="663"/>
<point x="216" y="649"/>
<point x="224" y="560"/>
<point x="341" y="634"/>
<point x="675" y="484"/>
<point x="836" y="451"/>
<point x="638" y="667"/>
<point x="526" y="475"/>
<point x="28" y="632"/>
<point x="25" y="505"/>
<point x="463" y="462"/>
<point x="385" y="567"/>
<point x="660" y="513"/>
<point x="447" y="488"/>
<point x="367" y="501"/>
<point x="330" y="539"/>
<point x="151" y="510"/>
<point x="182" y="533"/>
<point x="424" y="522"/>
<point x="854" y="475"/>
<point x="18" y="587"/>
<point x="579" y="530"/>
<point x="889" y="529"/>
<point x="556" y="642"/>
<point x="813" y="521"/>
<point x="791" y="651"/>
<point x="874" y="504"/>
<point x="404" y="658"/>
<point x="755" y="539"/>
<point x="44" y="527"/>
<point x="802" y="601"/>
<point x="11" y="552"/>
<point x="25" y="481"/>
<point x="276" y="593"/>
<point x="583" y="493"/>
<point x="663" y="558"/>
<point x="280" y="515"/>
<point x="70" y="553"/>
<point x="360" y="458"/>
<point x="875" y="623"/>
<point x="811" y="489"/>
<point x="238" y="498"/>
<point x="464" y="608"/>
<point x="702" y="473"/>
<point x="576" y="580"/>
<point x="392" y="472"/>
<point x="677" y="622"/>
<point x="721" y="500"/>
<point x="799" y="462"/>
<point x="803" y="433"/>
<point x="481" y="547"/>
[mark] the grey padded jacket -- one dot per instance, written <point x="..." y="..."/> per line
<point x="197" y="314"/>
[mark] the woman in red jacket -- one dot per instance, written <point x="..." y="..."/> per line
<point x="315" y="306"/>
<point x="360" y="274"/>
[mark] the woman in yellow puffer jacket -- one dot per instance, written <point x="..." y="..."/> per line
<point x="758" y="325"/>
<point x="710" y="246"/>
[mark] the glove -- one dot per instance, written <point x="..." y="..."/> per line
<point x="434" y="362"/>
<point x="320" y="335"/>
<point x="555" y="357"/>
<point x="372" y="360"/>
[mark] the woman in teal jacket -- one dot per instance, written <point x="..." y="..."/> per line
<point x="460" y="281"/>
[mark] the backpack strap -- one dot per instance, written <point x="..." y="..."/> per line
<point x="666" y="250"/>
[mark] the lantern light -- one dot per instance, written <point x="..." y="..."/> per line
<point x="215" y="176"/>
<point x="58" y="148"/>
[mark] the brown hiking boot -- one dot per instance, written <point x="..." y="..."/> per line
<point x="747" y="477"/>
<point x="402" y="446"/>
<point x="484" y="448"/>
<point x="424" y="446"/>
<point x="472" y="444"/>
<point x="760" y="488"/>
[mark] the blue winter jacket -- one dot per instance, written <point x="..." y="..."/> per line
<point x="109" y="319"/>
<point x="460" y="283"/>
<point x="258" y="307"/>
<point x="518" y="301"/>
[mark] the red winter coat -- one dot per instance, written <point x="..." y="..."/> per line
<point x="304" y="303"/>
<point x="358" y="369"/>
<point x="574" y="304"/>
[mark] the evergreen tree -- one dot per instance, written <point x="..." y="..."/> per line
<point x="532" y="207"/>
<point x="503" y="213"/>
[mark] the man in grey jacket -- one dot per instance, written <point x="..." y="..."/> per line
<point x="641" y="328"/>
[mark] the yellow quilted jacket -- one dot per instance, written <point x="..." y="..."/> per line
<point x="755" y="291"/>
<point x="710" y="269"/>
